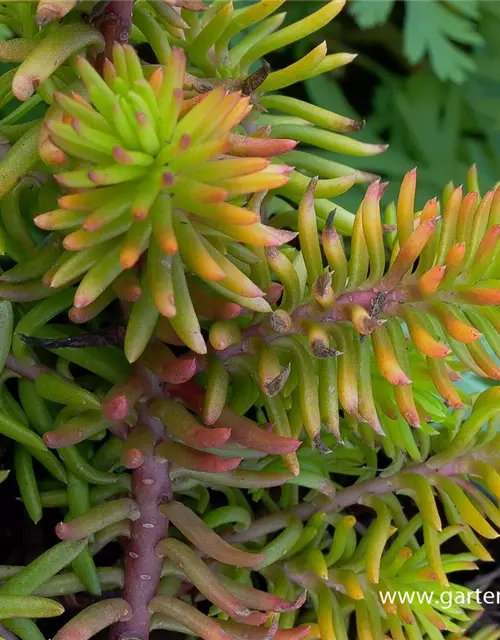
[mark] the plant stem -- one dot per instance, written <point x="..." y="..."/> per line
<point x="29" y="371"/>
<point x="390" y="303"/>
<point x="351" y="495"/>
<point x="115" y="25"/>
<point x="151" y="487"/>
<point x="5" y="634"/>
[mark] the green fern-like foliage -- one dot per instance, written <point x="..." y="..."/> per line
<point x="409" y="98"/>
<point x="439" y="30"/>
<point x="209" y="361"/>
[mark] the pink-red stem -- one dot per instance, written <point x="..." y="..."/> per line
<point x="115" y="25"/>
<point x="150" y="488"/>
<point x="347" y="497"/>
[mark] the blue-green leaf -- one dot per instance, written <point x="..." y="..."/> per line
<point x="369" y="14"/>
<point x="433" y="29"/>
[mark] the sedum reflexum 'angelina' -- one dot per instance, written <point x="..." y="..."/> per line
<point x="320" y="573"/>
<point x="157" y="173"/>
<point x="169" y="446"/>
<point x="279" y="448"/>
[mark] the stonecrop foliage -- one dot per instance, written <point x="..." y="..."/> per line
<point x="207" y="362"/>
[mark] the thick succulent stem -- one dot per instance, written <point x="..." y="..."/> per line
<point x="369" y="299"/>
<point x="28" y="371"/>
<point x="150" y="488"/>
<point x="115" y="25"/>
<point x="6" y="634"/>
<point x="374" y="300"/>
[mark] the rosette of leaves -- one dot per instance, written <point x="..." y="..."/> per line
<point x="210" y="39"/>
<point x="379" y="340"/>
<point x="117" y="101"/>
<point x="161" y="177"/>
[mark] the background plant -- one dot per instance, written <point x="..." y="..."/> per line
<point x="429" y="86"/>
<point x="237" y="396"/>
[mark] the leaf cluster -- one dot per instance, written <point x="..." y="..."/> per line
<point x="272" y="429"/>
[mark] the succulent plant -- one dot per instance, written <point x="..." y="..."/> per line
<point x="160" y="178"/>
<point x="207" y="360"/>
